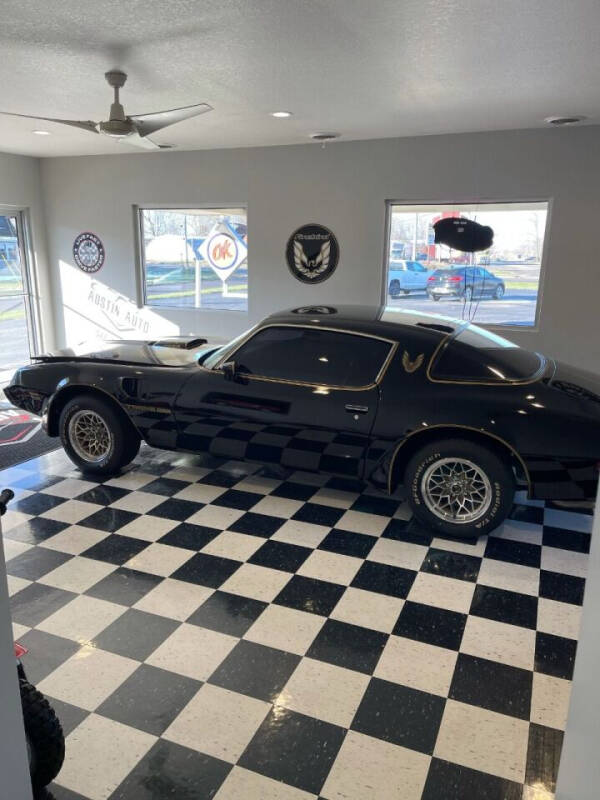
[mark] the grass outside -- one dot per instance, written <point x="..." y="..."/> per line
<point x="13" y="313"/>
<point x="191" y="292"/>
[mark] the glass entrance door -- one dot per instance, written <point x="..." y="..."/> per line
<point x="17" y="324"/>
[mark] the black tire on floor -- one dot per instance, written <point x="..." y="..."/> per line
<point x="497" y="470"/>
<point x="44" y="734"/>
<point x="125" y="439"/>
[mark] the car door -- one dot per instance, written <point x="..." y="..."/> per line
<point x="298" y="396"/>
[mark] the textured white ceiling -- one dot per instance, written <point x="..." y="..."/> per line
<point x="365" y="68"/>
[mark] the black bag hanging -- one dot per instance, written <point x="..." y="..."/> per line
<point x="463" y="234"/>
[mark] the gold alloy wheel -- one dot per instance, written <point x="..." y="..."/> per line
<point x="89" y="436"/>
<point x="456" y="490"/>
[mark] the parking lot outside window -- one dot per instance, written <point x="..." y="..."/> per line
<point x="194" y="258"/>
<point x="498" y="286"/>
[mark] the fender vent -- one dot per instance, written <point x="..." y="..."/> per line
<point x="180" y="344"/>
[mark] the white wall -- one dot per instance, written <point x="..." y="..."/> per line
<point x="20" y="188"/>
<point x="344" y="187"/>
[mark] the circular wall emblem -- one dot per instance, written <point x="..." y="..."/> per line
<point x="222" y="251"/>
<point x="88" y="252"/>
<point x="312" y="253"/>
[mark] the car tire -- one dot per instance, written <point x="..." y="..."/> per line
<point x="468" y="294"/>
<point x="97" y="439"/>
<point x="489" y="481"/>
<point x="405" y="291"/>
<point x="499" y="292"/>
<point x="435" y="297"/>
<point x="44" y="734"/>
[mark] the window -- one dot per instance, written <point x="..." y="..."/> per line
<point x="323" y="357"/>
<point x="195" y="258"/>
<point x="503" y="289"/>
<point x="475" y="354"/>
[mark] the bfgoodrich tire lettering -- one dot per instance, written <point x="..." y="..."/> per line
<point x="123" y="440"/>
<point x="467" y="468"/>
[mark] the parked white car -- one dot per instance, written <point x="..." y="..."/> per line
<point x="407" y="276"/>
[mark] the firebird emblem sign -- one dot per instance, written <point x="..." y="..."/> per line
<point x="312" y="253"/>
<point x="17" y="426"/>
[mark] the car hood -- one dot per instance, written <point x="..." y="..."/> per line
<point x="173" y="352"/>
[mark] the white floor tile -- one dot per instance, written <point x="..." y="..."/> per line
<point x="160" y="559"/>
<point x="285" y="629"/>
<point x="78" y="574"/>
<point x="419" y="665"/>
<point x="261" y="583"/>
<point x="174" y="599"/>
<point x="192" y="651"/>
<point x="74" y="539"/>
<point x="82" y="618"/>
<point x="331" y="567"/>
<point x="368" y="609"/>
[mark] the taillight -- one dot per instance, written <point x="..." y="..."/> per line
<point x="431" y="278"/>
<point x="456" y="278"/>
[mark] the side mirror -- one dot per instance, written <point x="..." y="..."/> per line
<point x="229" y="370"/>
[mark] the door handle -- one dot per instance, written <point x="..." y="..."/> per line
<point x="352" y="409"/>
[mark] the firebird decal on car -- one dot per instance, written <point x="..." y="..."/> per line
<point x="412" y="366"/>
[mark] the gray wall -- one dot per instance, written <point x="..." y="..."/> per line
<point x="20" y="187"/>
<point x="344" y="187"/>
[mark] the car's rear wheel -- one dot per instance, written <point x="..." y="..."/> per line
<point x="96" y="437"/>
<point x="434" y="297"/>
<point x="394" y="288"/>
<point x="459" y="488"/>
<point x="499" y="292"/>
<point x="468" y="294"/>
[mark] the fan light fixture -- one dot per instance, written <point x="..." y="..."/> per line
<point x="558" y="121"/>
<point x="281" y="114"/>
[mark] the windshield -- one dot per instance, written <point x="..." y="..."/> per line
<point x="475" y="355"/>
<point x="221" y="352"/>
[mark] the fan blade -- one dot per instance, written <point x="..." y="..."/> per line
<point x="142" y="141"/>
<point x="150" y="123"/>
<point x="86" y="125"/>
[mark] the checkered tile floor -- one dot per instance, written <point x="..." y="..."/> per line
<point x="208" y="629"/>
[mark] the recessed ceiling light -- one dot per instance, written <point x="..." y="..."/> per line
<point x="572" y="120"/>
<point x="281" y="114"/>
<point x="42" y="133"/>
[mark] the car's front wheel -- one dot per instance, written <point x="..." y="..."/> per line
<point x="459" y="488"/>
<point x="96" y="437"/>
<point x="499" y="292"/>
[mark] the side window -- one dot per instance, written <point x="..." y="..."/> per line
<point x="327" y="358"/>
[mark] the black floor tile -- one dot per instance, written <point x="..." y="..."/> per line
<point x="169" y="770"/>
<point x="165" y="486"/>
<point x="504" y="606"/>
<point x="150" y="699"/>
<point x="451" y="565"/>
<point x="36" y="530"/>
<point x="345" y="485"/>
<point x="124" y="586"/>
<point x="309" y="594"/>
<point x="555" y="655"/>
<point x="384" y="579"/>
<point x="524" y="553"/>
<point x="348" y="543"/>
<point x="454" y="782"/>
<point x="116" y="549"/>
<point x="294" y="491"/>
<point x="192" y="537"/>
<point x="564" y="588"/>
<point x="37" y="503"/>
<point x="522" y="513"/>
<point x="33" y="564"/>
<point x="399" y="714"/>
<point x="135" y="634"/>
<point x="294" y="748"/>
<point x="69" y="716"/>
<point x="219" y="477"/>
<point x="543" y="757"/>
<point x="228" y="613"/>
<point x="207" y="570"/>
<point x="375" y="505"/>
<point x="255" y="670"/>
<point x="279" y="555"/>
<point x="402" y="530"/>
<point x="566" y="540"/>
<point x="348" y="646"/>
<point x="46" y="653"/>
<point x="173" y="508"/>
<point x="108" y="519"/>
<point x="255" y="524"/>
<point x="103" y="495"/>
<point x="318" y="514"/>
<point x="35" y="602"/>
<point x="237" y="499"/>
<point x="55" y="792"/>
<point x="431" y="625"/>
<point x="492" y="685"/>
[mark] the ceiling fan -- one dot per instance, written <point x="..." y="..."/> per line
<point x="133" y="129"/>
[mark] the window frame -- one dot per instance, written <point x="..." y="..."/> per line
<point x="480" y="203"/>
<point x="230" y="356"/>
<point x="140" y="263"/>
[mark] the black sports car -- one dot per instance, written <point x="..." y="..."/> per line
<point x="455" y="413"/>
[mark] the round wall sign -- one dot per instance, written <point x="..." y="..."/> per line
<point x="312" y="253"/>
<point x="88" y="252"/>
